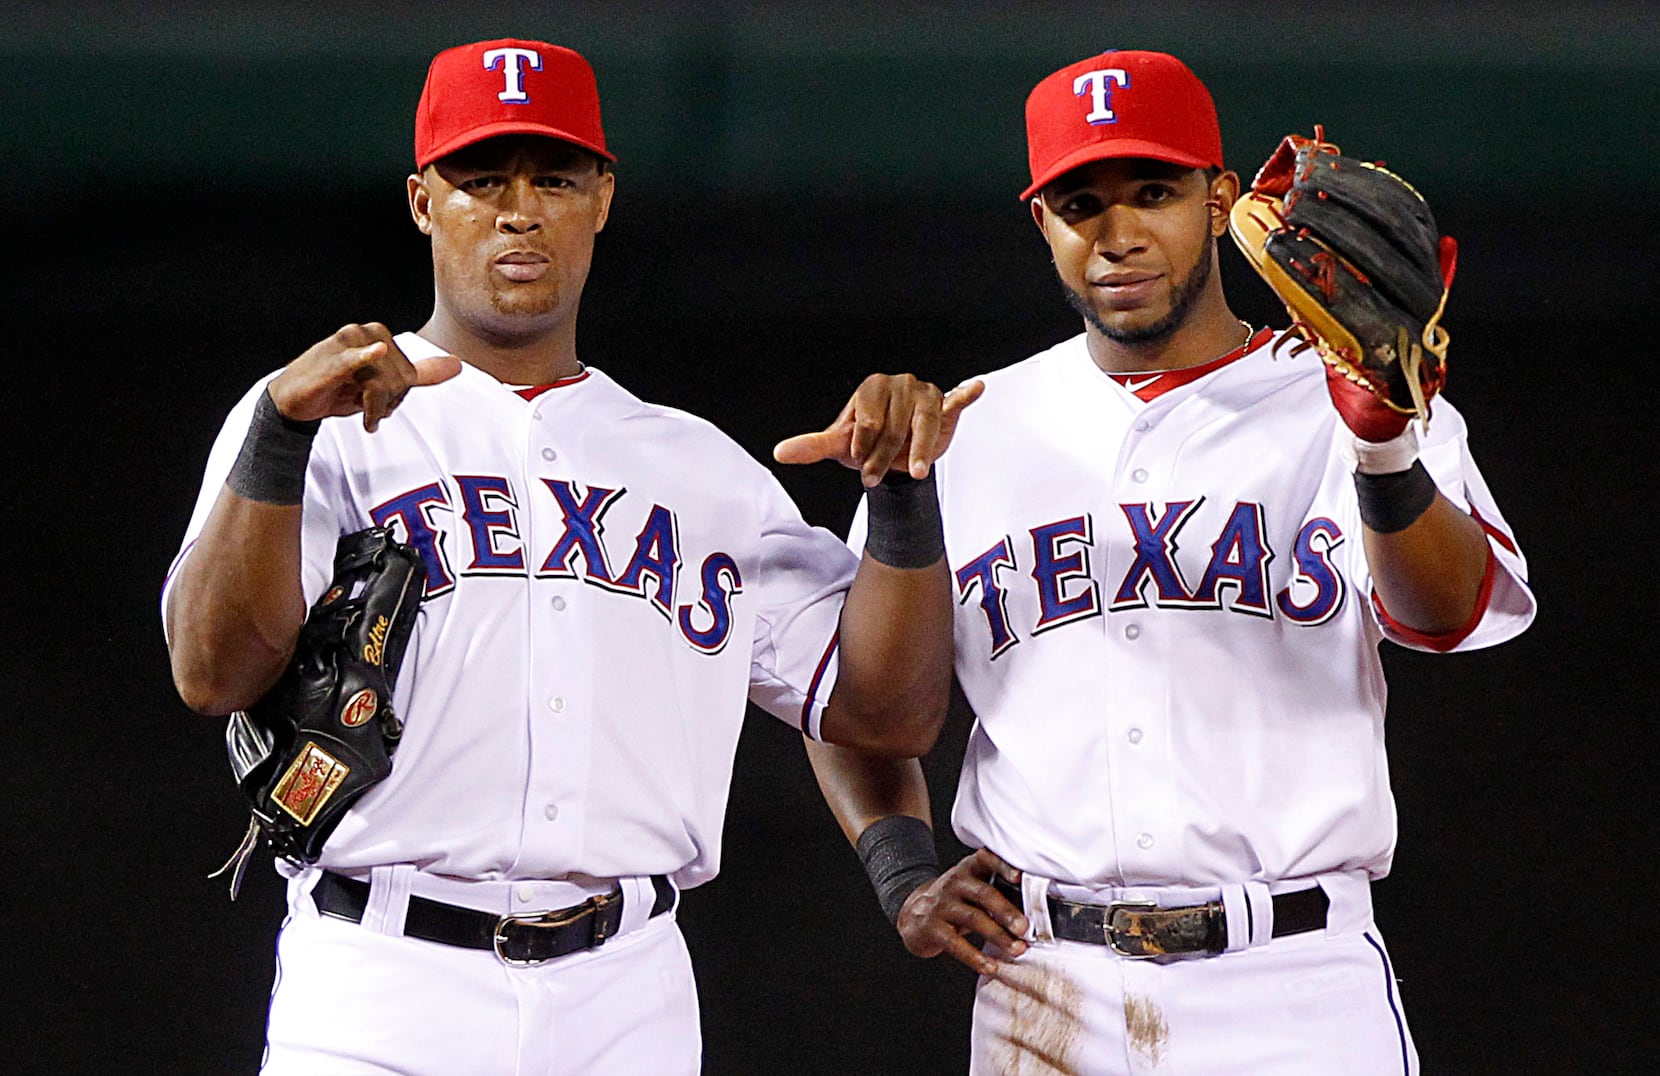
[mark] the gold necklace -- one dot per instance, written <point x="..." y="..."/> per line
<point x="1249" y="332"/>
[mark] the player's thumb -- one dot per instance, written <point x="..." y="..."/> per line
<point x="805" y="448"/>
<point x="438" y="368"/>
<point x="963" y="395"/>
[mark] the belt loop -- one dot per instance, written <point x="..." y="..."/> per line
<point x="388" y="899"/>
<point x="1262" y="912"/>
<point x="1250" y="911"/>
<point x="1236" y="908"/>
<point x="301" y="885"/>
<point x="1034" y="893"/>
<point x="638" y="896"/>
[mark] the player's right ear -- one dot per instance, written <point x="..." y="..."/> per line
<point x="420" y="203"/>
<point x="1037" y="214"/>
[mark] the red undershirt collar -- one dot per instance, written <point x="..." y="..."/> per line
<point x="1150" y="385"/>
<point x="530" y="392"/>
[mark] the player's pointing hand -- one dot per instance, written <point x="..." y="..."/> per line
<point x="893" y="422"/>
<point x="358" y="369"/>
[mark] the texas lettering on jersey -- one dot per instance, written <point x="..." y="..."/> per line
<point x="491" y="545"/>
<point x="1235" y="578"/>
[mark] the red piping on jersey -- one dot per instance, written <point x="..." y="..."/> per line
<point x="1492" y="531"/>
<point x="1165" y="380"/>
<point x="1440" y="644"/>
<point x="536" y="390"/>
<point x="812" y="687"/>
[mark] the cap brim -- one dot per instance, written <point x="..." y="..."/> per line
<point x="494" y="130"/>
<point x="1105" y="151"/>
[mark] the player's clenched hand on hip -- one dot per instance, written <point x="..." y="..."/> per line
<point x="937" y="917"/>
<point x="357" y="369"/>
<point x="892" y="422"/>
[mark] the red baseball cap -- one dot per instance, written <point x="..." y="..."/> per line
<point x="491" y="88"/>
<point x="1121" y="103"/>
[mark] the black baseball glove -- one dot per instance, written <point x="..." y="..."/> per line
<point x="1353" y="252"/>
<point x="325" y="734"/>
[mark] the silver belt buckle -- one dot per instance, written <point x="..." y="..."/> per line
<point x="1116" y="937"/>
<point x="551" y="921"/>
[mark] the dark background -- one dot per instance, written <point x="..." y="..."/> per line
<point x="196" y="194"/>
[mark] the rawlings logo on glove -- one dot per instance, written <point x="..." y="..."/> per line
<point x="1353" y="253"/>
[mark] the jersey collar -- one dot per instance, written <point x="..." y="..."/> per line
<point x="530" y="392"/>
<point x="1151" y="384"/>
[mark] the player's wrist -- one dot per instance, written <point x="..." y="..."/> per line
<point x="904" y="526"/>
<point x="1392" y="487"/>
<point x="1393" y="502"/>
<point x="899" y="855"/>
<point x="1389" y="456"/>
<point x="271" y="467"/>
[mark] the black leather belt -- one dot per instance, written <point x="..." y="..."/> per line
<point x="518" y="939"/>
<point x="1139" y="929"/>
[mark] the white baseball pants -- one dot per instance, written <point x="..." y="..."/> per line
<point x="359" y="998"/>
<point x="1308" y="1004"/>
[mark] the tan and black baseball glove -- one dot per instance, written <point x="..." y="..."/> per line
<point x="1352" y="251"/>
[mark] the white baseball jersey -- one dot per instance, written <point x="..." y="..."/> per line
<point x="607" y="582"/>
<point x="1165" y="622"/>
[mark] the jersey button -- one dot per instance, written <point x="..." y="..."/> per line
<point x="556" y="704"/>
<point x="1139" y="474"/>
<point x="558" y="604"/>
<point x="1144" y="841"/>
<point x="551" y="812"/>
<point x="549" y="454"/>
<point x="1141" y="426"/>
<point x="525" y="892"/>
<point x="1135" y="735"/>
<point x="1132" y="632"/>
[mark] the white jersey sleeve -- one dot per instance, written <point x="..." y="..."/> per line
<point x="1505" y="605"/>
<point x="805" y="573"/>
<point x="320" y="529"/>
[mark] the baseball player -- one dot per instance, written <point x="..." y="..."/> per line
<point x="1176" y="541"/>
<point x="606" y="582"/>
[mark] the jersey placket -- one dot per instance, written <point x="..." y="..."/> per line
<point x="1140" y="645"/>
<point x="558" y="701"/>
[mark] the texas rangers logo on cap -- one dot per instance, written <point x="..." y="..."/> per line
<point x="513" y="60"/>
<point x="492" y="88"/>
<point x="1123" y="103"/>
<point x="1098" y="84"/>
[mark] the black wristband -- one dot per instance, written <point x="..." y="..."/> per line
<point x="271" y="466"/>
<point x="1393" y="502"/>
<point x="899" y="855"/>
<point x="904" y="522"/>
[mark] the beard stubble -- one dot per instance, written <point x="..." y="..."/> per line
<point x="1185" y="294"/>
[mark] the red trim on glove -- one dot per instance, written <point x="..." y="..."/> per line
<point x="1367" y="416"/>
<point x="1440" y="644"/>
<point x="1446" y="252"/>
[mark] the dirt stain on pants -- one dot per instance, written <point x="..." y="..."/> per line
<point x="1036" y="1014"/>
<point x="1145" y="1029"/>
